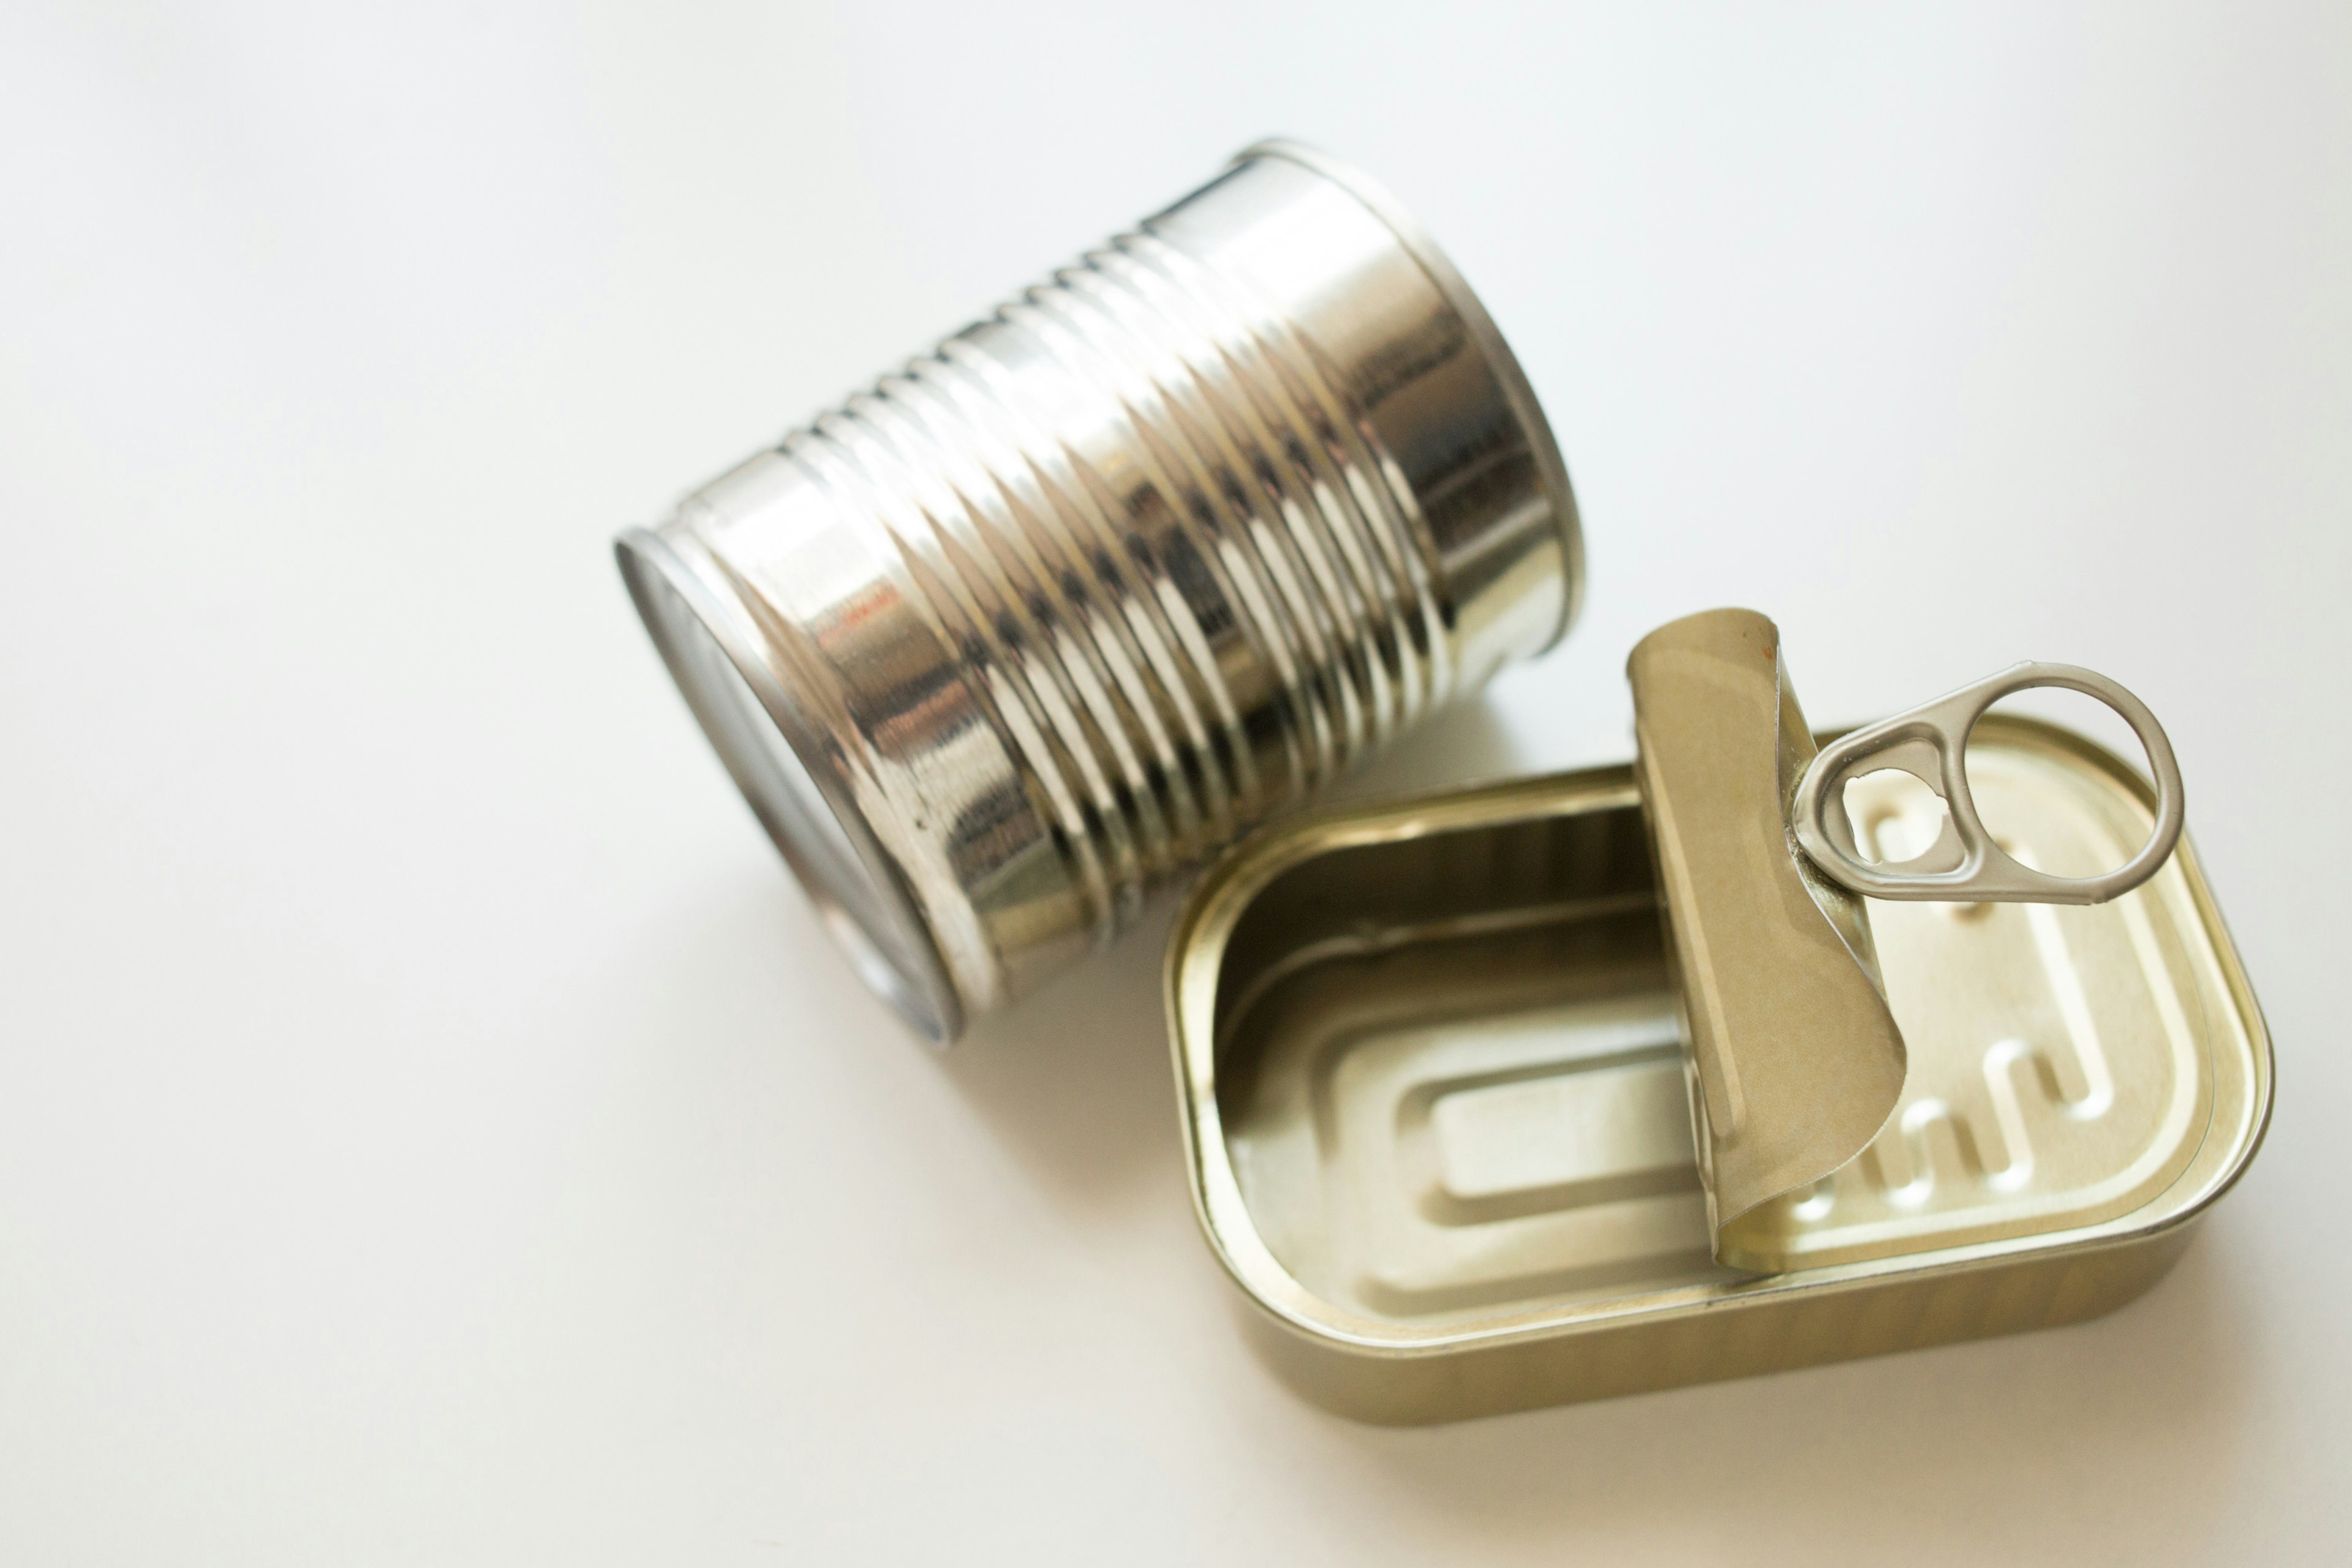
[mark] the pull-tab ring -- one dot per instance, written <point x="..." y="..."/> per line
<point x="1964" y="865"/>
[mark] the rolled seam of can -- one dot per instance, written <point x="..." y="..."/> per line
<point x="1076" y="599"/>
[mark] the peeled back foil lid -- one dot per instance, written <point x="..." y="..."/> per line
<point x="1794" y="1060"/>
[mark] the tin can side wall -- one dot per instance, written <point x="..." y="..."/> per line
<point x="1730" y="1340"/>
<point x="1146" y="554"/>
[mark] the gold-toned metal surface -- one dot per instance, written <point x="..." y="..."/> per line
<point x="2063" y="1056"/>
<point x="1796" y="1060"/>
<point x="1432" y="1091"/>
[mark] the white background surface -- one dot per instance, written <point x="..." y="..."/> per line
<point x="431" y="1128"/>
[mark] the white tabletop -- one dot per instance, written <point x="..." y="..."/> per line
<point x="431" y="1128"/>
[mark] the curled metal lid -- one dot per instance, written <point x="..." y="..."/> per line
<point x="1794" y="1059"/>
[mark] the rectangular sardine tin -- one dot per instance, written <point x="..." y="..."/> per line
<point x="1434" y="1098"/>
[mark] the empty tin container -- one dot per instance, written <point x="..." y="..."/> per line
<point x="1439" y="1092"/>
<point x="1103" y="580"/>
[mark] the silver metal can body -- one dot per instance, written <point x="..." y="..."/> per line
<point x="1084" y="593"/>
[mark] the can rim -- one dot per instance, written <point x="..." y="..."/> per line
<point x="1518" y="391"/>
<point x="907" y="973"/>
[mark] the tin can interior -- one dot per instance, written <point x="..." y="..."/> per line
<point x="1450" y="1074"/>
<point x="753" y="724"/>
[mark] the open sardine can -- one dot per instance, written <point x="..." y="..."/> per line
<point x="1577" y="1086"/>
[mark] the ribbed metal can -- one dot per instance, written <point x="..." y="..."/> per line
<point x="1149" y="552"/>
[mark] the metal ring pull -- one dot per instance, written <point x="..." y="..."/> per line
<point x="1964" y="865"/>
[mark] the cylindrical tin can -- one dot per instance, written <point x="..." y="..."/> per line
<point x="1102" y="579"/>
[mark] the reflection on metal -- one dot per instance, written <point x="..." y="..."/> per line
<point x="1427" y="1056"/>
<point x="1075" y="598"/>
<point x="2057" y="1073"/>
